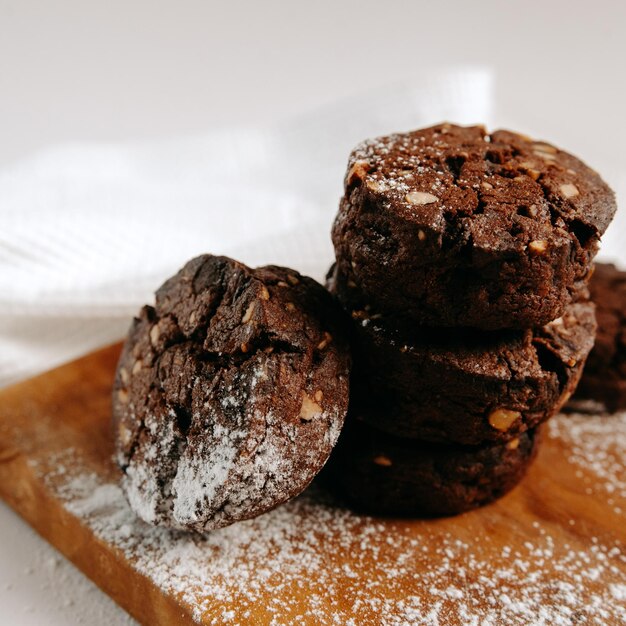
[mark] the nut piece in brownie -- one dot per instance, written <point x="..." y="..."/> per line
<point x="604" y="376"/>
<point x="383" y="474"/>
<point x="462" y="385"/>
<point x="230" y="393"/>
<point x="458" y="227"/>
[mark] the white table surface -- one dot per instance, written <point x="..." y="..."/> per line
<point x="71" y="70"/>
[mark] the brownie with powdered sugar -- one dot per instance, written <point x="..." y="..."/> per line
<point x="230" y="393"/>
<point x="457" y="227"/>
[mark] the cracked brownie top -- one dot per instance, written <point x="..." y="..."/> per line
<point x="459" y="227"/>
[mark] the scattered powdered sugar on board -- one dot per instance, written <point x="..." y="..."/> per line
<point x="313" y="562"/>
<point x="596" y="443"/>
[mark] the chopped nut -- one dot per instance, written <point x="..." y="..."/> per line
<point x="541" y="146"/>
<point x="530" y="170"/>
<point x="546" y="156"/>
<point x="292" y="279"/>
<point x="421" y="235"/>
<point x="265" y="294"/>
<point x="248" y="314"/>
<point x="282" y="283"/>
<point x="569" y="318"/>
<point x="122" y="396"/>
<point x="324" y="342"/>
<point x="319" y="394"/>
<point x="502" y="419"/>
<point x="487" y="186"/>
<point x="290" y="306"/>
<point x="538" y="246"/>
<point x="513" y="444"/>
<point x="374" y="185"/>
<point x="383" y="461"/>
<point x="155" y="333"/>
<point x="309" y="408"/>
<point x="244" y="347"/>
<point x="420" y="197"/>
<point x="124" y="434"/>
<point x="533" y="211"/>
<point x="124" y="375"/>
<point x="569" y="190"/>
<point x="192" y="318"/>
<point x="137" y="366"/>
<point x="358" y="171"/>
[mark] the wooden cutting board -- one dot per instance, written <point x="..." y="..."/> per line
<point x="550" y="552"/>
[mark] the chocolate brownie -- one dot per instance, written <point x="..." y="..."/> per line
<point x="604" y="376"/>
<point x="383" y="474"/>
<point x="229" y="394"/>
<point x="457" y="227"/>
<point x="466" y="386"/>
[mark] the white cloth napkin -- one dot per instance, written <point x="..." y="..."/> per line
<point x="88" y="232"/>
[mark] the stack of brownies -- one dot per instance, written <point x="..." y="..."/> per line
<point x="463" y="259"/>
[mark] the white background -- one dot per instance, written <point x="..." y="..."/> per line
<point x="111" y="71"/>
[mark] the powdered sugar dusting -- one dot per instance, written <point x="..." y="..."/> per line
<point x="230" y="468"/>
<point x="312" y="561"/>
<point x="143" y="480"/>
<point x="201" y="475"/>
<point x="597" y="443"/>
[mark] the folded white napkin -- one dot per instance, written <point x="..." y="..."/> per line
<point x="90" y="231"/>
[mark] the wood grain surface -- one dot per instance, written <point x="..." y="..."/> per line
<point x="552" y="548"/>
